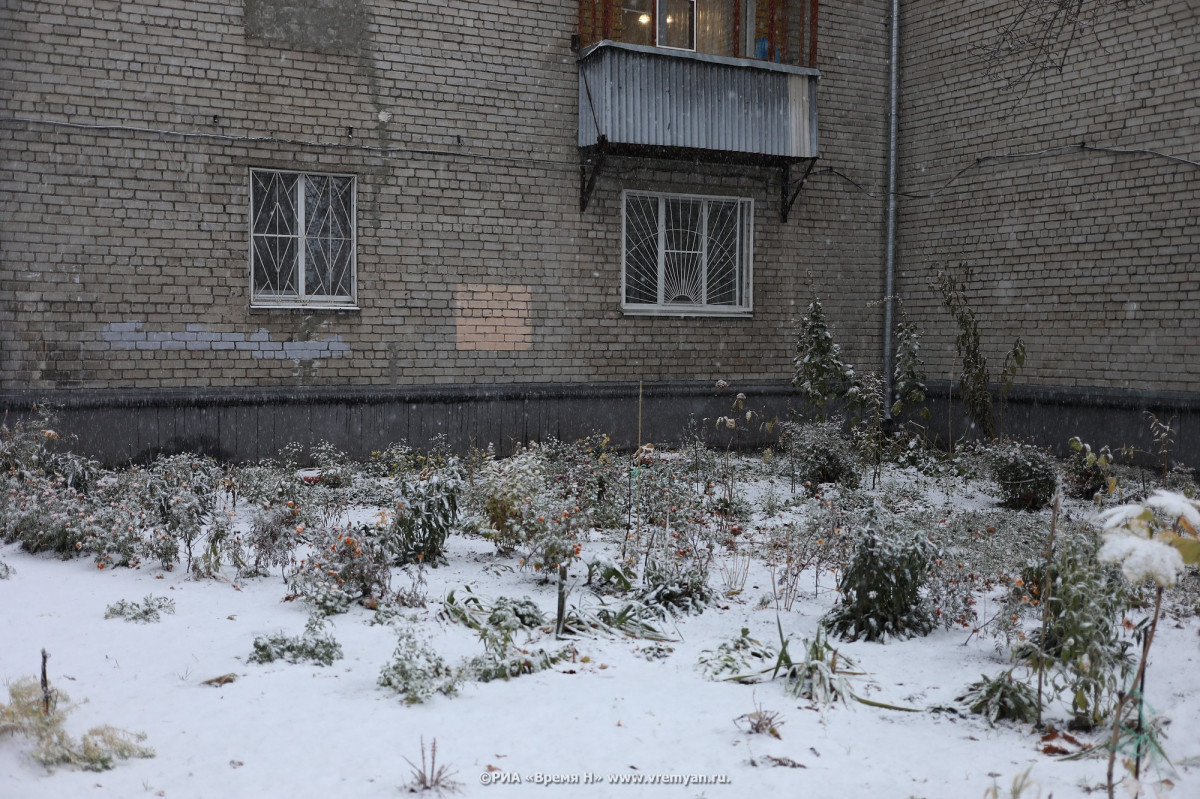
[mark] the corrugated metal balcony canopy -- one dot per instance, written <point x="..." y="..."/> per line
<point x="663" y="102"/>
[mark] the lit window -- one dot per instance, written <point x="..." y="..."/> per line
<point x="677" y="24"/>
<point x="686" y="254"/>
<point x="301" y="239"/>
<point x="667" y="23"/>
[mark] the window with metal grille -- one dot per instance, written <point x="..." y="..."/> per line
<point x="301" y="239"/>
<point x="686" y="254"/>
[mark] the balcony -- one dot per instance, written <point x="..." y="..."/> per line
<point x="668" y="79"/>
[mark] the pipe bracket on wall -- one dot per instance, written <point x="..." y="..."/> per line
<point x="593" y="158"/>
<point x="788" y="192"/>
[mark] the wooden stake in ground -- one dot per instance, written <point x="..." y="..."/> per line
<point x="562" y="601"/>
<point x="45" y="685"/>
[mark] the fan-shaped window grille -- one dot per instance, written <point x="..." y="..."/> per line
<point x="301" y="238"/>
<point x="687" y="255"/>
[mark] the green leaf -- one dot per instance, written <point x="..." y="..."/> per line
<point x="1189" y="548"/>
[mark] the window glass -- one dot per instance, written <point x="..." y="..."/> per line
<point x="686" y="254"/>
<point x="677" y="24"/>
<point x="637" y="22"/>
<point x="641" y="249"/>
<point x="302" y="238"/>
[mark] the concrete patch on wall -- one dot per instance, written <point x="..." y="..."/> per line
<point x="131" y="336"/>
<point x="492" y="318"/>
<point x="326" y="26"/>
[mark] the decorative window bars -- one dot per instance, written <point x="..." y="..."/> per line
<point x="687" y="255"/>
<point x="302" y="239"/>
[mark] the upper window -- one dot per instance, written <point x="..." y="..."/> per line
<point x="301" y="239"/>
<point x="784" y="31"/>
<point x="666" y="23"/>
<point x="687" y="255"/>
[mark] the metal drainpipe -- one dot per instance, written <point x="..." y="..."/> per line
<point x="889" y="257"/>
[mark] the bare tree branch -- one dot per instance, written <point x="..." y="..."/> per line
<point x="1040" y="35"/>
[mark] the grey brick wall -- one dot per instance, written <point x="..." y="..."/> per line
<point x="129" y="128"/>
<point x="1090" y="256"/>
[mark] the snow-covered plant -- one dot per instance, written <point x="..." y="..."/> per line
<point x="43" y="514"/>
<point x="588" y="475"/>
<point x="1025" y="475"/>
<point x="496" y="622"/>
<point x="1151" y="542"/>
<point x="606" y="576"/>
<point x="678" y="591"/>
<point x="514" y="662"/>
<point x="734" y="571"/>
<point x="1002" y="697"/>
<point x="316" y="645"/>
<point x="431" y="777"/>
<point x="416" y="671"/>
<point x="507" y="617"/>
<point x="791" y="550"/>
<point x="697" y="460"/>
<point x="76" y="471"/>
<point x="818" y="453"/>
<point x="867" y="403"/>
<point x="1182" y="480"/>
<point x="506" y="490"/>
<point x="392" y="461"/>
<point x="23" y="447"/>
<point x="672" y="522"/>
<point x="881" y="588"/>
<point x="553" y="538"/>
<point x="974" y="390"/>
<point x="741" y="658"/>
<point x="147" y="611"/>
<point x="761" y="722"/>
<point x="820" y="373"/>
<point x="655" y="651"/>
<point x="275" y="530"/>
<point x="908" y="373"/>
<point x="1088" y="473"/>
<point x="771" y="502"/>
<point x="424" y="513"/>
<point x="341" y="565"/>
<point x="265" y="481"/>
<point x="336" y="471"/>
<point x="221" y="546"/>
<point x="823" y="676"/>
<point x="39" y="712"/>
<point x="630" y="619"/>
<point x="6" y="571"/>
<point x="1083" y="652"/>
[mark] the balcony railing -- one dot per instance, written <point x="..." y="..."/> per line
<point x="729" y="81"/>
<point x="638" y="100"/>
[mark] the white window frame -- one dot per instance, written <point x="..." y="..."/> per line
<point x="745" y="247"/>
<point x="660" y="13"/>
<point x="300" y="298"/>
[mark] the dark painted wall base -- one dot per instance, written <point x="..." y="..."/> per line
<point x="246" y="425"/>
<point x="1051" y="416"/>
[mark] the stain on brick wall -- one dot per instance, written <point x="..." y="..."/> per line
<point x="260" y="344"/>
<point x="325" y="26"/>
<point x="494" y="318"/>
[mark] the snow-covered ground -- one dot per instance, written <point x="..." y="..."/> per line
<point x="610" y="715"/>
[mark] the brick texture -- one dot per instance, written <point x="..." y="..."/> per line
<point x="128" y="131"/>
<point x="1090" y="256"/>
